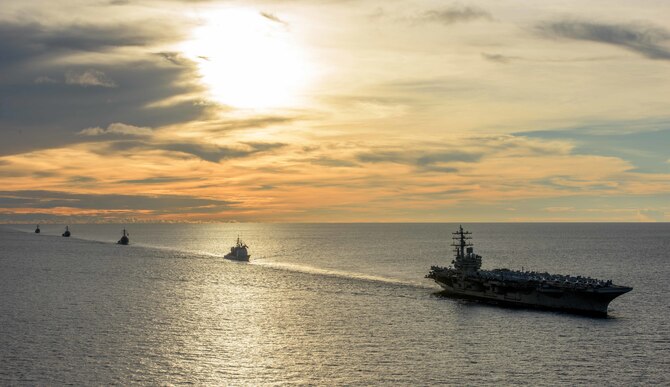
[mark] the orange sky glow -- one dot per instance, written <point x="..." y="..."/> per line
<point x="420" y="111"/>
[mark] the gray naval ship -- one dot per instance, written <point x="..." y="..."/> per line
<point x="239" y="252"/>
<point x="578" y="294"/>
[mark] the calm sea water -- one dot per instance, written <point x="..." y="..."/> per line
<point x="321" y="304"/>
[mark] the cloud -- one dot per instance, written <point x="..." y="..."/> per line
<point x="23" y="116"/>
<point x="256" y="122"/>
<point x="82" y="179"/>
<point x="274" y="18"/>
<point x="117" y="128"/>
<point x="159" y="180"/>
<point x="331" y="162"/>
<point x="75" y="75"/>
<point x="423" y="160"/>
<point x="211" y="153"/>
<point x="208" y="152"/>
<point x="88" y="78"/>
<point x="646" y="149"/>
<point x="455" y="14"/>
<point x="560" y="209"/>
<point x="520" y="145"/>
<point x="571" y="184"/>
<point x="89" y="37"/>
<point x="649" y="215"/>
<point x="93" y="205"/>
<point x="446" y="157"/>
<point x="382" y="157"/>
<point x="498" y="58"/>
<point x="216" y="153"/>
<point x="431" y="87"/>
<point x="642" y="39"/>
<point x="173" y="57"/>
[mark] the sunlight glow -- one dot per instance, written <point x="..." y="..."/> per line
<point x="248" y="60"/>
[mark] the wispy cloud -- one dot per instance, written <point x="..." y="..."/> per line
<point x="335" y="163"/>
<point x="498" y="58"/>
<point x="646" y="150"/>
<point x="88" y="78"/>
<point x="173" y="57"/>
<point x="455" y="14"/>
<point x="118" y="128"/>
<point x="82" y="179"/>
<point x="426" y="161"/>
<point x="646" y="40"/>
<point x="55" y="204"/>
<point x="274" y="18"/>
<point x="159" y="180"/>
<point x="213" y="153"/>
<point x="257" y="121"/>
<point x="216" y="153"/>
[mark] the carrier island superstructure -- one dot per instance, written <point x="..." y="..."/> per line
<point x="523" y="288"/>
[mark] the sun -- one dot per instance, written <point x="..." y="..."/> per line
<point x="248" y="59"/>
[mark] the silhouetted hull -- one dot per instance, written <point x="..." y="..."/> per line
<point x="593" y="301"/>
<point x="242" y="258"/>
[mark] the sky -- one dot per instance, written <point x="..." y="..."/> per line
<point x="334" y="111"/>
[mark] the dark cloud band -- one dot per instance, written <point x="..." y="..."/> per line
<point x="643" y="39"/>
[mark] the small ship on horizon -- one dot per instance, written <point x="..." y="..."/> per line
<point x="522" y="288"/>
<point x="124" y="239"/>
<point x="239" y="252"/>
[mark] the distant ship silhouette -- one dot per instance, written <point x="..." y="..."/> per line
<point x="239" y="252"/>
<point x="124" y="239"/>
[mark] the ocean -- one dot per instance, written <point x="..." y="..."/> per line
<point x="321" y="304"/>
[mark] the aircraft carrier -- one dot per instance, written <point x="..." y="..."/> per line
<point x="575" y="294"/>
